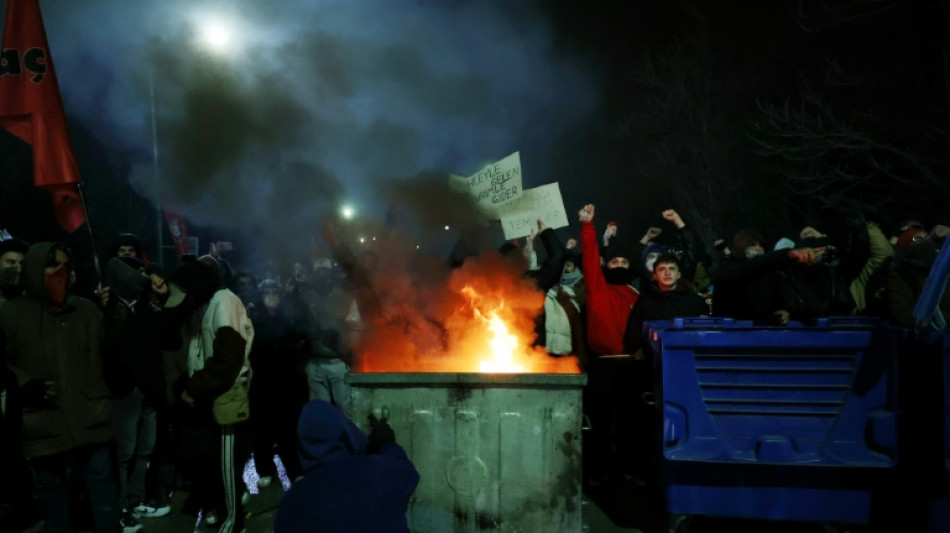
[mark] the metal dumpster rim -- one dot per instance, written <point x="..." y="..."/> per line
<point x="469" y="379"/>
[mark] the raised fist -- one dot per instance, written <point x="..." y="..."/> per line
<point x="586" y="214"/>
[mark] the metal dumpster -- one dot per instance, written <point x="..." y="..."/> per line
<point x="794" y="423"/>
<point x="495" y="452"/>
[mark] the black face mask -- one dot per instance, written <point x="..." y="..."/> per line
<point x="618" y="276"/>
<point x="10" y="278"/>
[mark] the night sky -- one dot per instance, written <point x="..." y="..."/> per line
<point x="738" y="114"/>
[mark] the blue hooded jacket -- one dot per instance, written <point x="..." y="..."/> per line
<point x="343" y="490"/>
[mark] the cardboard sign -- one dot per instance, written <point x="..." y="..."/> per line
<point x="520" y="215"/>
<point x="494" y="185"/>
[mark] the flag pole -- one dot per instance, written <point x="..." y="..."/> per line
<point x="159" y="222"/>
<point x="85" y="211"/>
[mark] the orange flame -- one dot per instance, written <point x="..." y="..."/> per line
<point x="480" y="321"/>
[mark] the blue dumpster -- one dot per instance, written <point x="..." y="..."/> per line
<point x="925" y="437"/>
<point x="793" y="423"/>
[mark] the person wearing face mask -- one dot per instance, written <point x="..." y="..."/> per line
<point x="563" y="319"/>
<point x="610" y="297"/>
<point x="135" y="375"/>
<point x="219" y="339"/>
<point x="17" y="510"/>
<point x="820" y="289"/>
<point x="915" y="253"/>
<point x="647" y="259"/>
<point x="53" y="345"/>
<point x="748" y="283"/>
<point x="281" y="344"/>
<point x="12" y="252"/>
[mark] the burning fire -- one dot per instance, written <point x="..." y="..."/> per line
<point x="503" y="344"/>
<point x="481" y="319"/>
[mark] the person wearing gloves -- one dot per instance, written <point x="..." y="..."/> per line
<point x="353" y="483"/>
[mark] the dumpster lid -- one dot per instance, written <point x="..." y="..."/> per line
<point x="926" y="311"/>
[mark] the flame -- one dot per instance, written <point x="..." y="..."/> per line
<point x="503" y="345"/>
<point x="481" y="319"/>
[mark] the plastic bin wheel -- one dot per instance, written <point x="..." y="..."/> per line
<point x="678" y="523"/>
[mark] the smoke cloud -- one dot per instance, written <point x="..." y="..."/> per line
<point x="312" y="104"/>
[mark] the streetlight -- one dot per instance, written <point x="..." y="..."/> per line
<point x="216" y="36"/>
<point x="216" y="32"/>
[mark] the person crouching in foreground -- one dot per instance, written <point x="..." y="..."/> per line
<point x="352" y="483"/>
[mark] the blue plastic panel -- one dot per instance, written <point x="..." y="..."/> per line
<point x="801" y="397"/>
<point x="945" y="365"/>
<point x="778" y="395"/>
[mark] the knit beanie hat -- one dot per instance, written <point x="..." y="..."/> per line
<point x="617" y="248"/>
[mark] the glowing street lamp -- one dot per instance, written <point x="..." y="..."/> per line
<point x="215" y="36"/>
<point x="347" y="212"/>
<point x="217" y="33"/>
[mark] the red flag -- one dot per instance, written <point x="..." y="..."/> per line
<point x="32" y="109"/>
<point x="178" y="227"/>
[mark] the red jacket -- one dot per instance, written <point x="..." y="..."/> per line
<point x="608" y="306"/>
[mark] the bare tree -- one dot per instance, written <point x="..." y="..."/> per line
<point x="687" y="139"/>
<point x="835" y="155"/>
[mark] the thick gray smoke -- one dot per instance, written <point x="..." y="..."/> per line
<point x="315" y="103"/>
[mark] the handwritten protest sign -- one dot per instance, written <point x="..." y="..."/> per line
<point x="520" y="216"/>
<point x="494" y="185"/>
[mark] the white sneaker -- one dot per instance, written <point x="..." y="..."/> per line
<point x="211" y="519"/>
<point x="264" y="481"/>
<point x="152" y="509"/>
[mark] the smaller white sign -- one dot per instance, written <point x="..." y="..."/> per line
<point x="520" y="216"/>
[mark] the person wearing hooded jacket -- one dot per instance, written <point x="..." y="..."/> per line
<point x="12" y="252"/>
<point x="218" y="356"/>
<point x="748" y="285"/>
<point x="916" y="253"/>
<point x="17" y="510"/>
<point x="134" y="372"/>
<point x="282" y="342"/>
<point x="819" y="289"/>
<point x="545" y="275"/>
<point x="52" y="342"/>
<point x="353" y="483"/>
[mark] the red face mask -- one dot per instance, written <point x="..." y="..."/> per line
<point x="56" y="286"/>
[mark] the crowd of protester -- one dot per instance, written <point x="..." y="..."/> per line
<point x="110" y="402"/>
